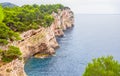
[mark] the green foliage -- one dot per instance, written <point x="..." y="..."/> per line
<point x="48" y="20"/>
<point x="10" y="54"/>
<point x="1" y="52"/>
<point x="26" y="17"/>
<point x="50" y="8"/>
<point x="104" y="66"/>
<point x="29" y="16"/>
<point x="1" y="14"/>
<point x="13" y="52"/>
<point x="6" y="59"/>
<point x="3" y="41"/>
<point x="6" y="33"/>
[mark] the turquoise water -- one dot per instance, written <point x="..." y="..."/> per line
<point x="93" y="36"/>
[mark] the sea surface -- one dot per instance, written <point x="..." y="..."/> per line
<point x="91" y="37"/>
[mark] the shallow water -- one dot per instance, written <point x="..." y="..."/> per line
<point x="93" y="36"/>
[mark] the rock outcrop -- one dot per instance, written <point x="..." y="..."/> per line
<point x="42" y="40"/>
<point x="14" y="68"/>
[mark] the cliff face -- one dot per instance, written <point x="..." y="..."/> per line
<point x="41" y="41"/>
<point x="14" y="68"/>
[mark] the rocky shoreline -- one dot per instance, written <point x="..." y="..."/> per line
<point x="39" y="43"/>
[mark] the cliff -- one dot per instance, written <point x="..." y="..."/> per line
<point x="14" y="68"/>
<point x="39" y="43"/>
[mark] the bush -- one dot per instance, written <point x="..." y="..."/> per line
<point x="13" y="52"/>
<point x="8" y="70"/>
<point x="104" y="66"/>
<point x="10" y="54"/>
<point x="3" y="41"/>
<point x="48" y="20"/>
<point x="1" y="14"/>
<point x="6" y="59"/>
<point x="28" y="17"/>
<point x="7" y="34"/>
<point x="1" y="52"/>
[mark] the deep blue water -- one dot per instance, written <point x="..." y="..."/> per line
<point x="93" y="36"/>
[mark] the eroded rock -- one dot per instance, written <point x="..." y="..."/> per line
<point x="39" y="41"/>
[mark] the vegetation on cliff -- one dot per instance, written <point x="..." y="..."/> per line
<point x="15" y="20"/>
<point x="29" y="17"/>
<point x="104" y="66"/>
<point x="1" y="14"/>
<point x="5" y="32"/>
<point x="19" y="19"/>
<point x="10" y="54"/>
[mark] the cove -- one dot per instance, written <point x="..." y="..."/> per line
<point x="92" y="36"/>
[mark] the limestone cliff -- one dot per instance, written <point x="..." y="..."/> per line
<point x="14" y="68"/>
<point x="42" y="40"/>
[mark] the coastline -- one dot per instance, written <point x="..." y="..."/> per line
<point x="41" y="42"/>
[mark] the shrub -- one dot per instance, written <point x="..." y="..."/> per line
<point x="104" y="66"/>
<point x="13" y="52"/>
<point x="48" y="20"/>
<point x="6" y="33"/>
<point x="28" y="17"/>
<point x="1" y="51"/>
<point x="10" y="54"/>
<point x="1" y="14"/>
<point x="6" y="59"/>
<point x="3" y="41"/>
<point x="8" y="70"/>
